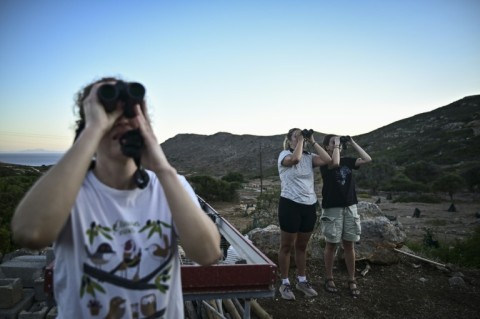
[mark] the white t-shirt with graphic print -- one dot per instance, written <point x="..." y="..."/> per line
<point x="117" y="254"/>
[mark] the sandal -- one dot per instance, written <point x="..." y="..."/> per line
<point x="355" y="292"/>
<point x="329" y="287"/>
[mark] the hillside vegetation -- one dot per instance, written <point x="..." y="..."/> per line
<point x="448" y="137"/>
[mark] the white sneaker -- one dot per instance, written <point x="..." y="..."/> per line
<point x="306" y="288"/>
<point x="286" y="292"/>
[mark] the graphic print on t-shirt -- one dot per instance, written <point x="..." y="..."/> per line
<point x="341" y="174"/>
<point x="127" y="256"/>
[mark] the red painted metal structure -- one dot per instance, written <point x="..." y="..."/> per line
<point x="253" y="279"/>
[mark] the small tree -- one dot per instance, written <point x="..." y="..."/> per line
<point x="449" y="183"/>
<point x="422" y="171"/>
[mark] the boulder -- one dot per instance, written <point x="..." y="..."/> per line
<point x="267" y="240"/>
<point x="379" y="236"/>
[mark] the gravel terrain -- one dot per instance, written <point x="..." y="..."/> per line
<point x="410" y="289"/>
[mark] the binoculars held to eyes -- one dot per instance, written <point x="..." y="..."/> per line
<point x="307" y="133"/>
<point x="344" y="140"/>
<point x="129" y="93"/>
<point x="132" y="141"/>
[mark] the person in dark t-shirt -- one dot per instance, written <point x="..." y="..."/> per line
<point x="340" y="221"/>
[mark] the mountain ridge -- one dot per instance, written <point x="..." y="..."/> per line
<point x="434" y="136"/>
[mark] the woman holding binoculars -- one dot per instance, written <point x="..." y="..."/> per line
<point x="297" y="206"/>
<point x="115" y="238"/>
<point x="340" y="221"/>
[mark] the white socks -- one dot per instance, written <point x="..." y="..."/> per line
<point x="302" y="278"/>
<point x="285" y="281"/>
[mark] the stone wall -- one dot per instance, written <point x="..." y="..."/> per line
<point x="22" y="292"/>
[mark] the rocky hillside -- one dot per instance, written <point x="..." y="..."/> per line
<point x="448" y="136"/>
<point x="221" y="153"/>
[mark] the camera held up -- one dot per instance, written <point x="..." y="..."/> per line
<point x="307" y="133"/>
<point x="344" y="140"/>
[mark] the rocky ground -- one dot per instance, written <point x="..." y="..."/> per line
<point x="410" y="289"/>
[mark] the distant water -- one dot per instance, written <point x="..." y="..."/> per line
<point x="31" y="159"/>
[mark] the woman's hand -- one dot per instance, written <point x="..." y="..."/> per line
<point x="153" y="157"/>
<point x="336" y="140"/>
<point x="299" y="136"/>
<point x="95" y="114"/>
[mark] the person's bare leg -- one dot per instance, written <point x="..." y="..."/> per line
<point x="287" y="241"/>
<point x="349" y="258"/>
<point x="301" y="252"/>
<point x="349" y="252"/>
<point x="329" y="256"/>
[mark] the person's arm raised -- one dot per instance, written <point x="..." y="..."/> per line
<point x="198" y="234"/>
<point x="41" y="214"/>
<point x="364" y="157"/>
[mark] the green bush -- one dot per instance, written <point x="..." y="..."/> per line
<point x="462" y="253"/>
<point x="212" y="189"/>
<point x="234" y="177"/>
<point x="401" y="183"/>
<point x="422" y="172"/>
<point x="14" y="183"/>
<point x="417" y="198"/>
<point x="465" y="252"/>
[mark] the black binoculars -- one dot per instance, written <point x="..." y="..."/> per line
<point x="344" y="140"/>
<point x="131" y="142"/>
<point x="307" y="133"/>
<point x="129" y="93"/>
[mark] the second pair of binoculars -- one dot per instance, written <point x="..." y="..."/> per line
<point x="344" y="140"/>
<point x="130" y="93"/>
<point x="307" y="133"/>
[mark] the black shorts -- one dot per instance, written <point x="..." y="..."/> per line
<point x="296" y="218"/>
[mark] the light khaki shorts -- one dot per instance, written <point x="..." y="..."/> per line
<point x="339" y="223"/>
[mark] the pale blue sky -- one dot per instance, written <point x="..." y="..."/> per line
<point x="244" y="67"/>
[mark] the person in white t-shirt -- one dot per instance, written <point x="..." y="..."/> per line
<point x="115" y="225"/>
<point x="297" y="206"/>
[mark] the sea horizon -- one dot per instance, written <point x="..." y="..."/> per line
<point x="27" y="158"/>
